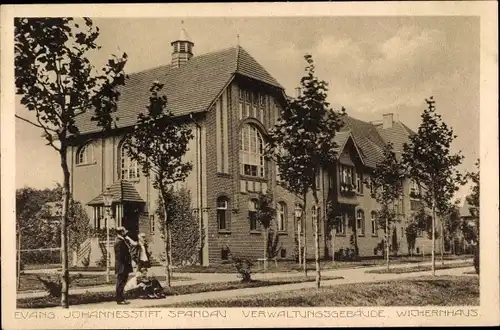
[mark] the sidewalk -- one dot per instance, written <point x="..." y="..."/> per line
<point x="354" y="276"/>
<point x="347" y="273"/>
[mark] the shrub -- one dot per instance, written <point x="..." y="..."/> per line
<point x="348" y="254"/>
<point x="53" y="287"/>
<point x="244" y="268"/>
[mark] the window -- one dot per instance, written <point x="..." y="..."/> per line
<point x="340" y="224"/>
<point x="281" y="216"/>
<point x="374" y="224"/>
<point x="222" y="213"/>
<point x="346" y="178"/>
<point x="176" y="47"/>
<point x="331" y="181"/>
<point x="240" y="94"/>
<point x="85" y="154"/>
<point x="129" y="169"/>
<point x="252" y="214"/>
<point x="183" y="47"/>
<point x="360" y="222"/>
<point x="248" y="97"/>
<point x="251" y="152"/>
<point x="359" y="183"/>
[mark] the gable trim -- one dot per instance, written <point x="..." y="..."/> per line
<point x="341" y="149"/>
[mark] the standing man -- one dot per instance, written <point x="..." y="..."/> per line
<point x="123" y="264"/>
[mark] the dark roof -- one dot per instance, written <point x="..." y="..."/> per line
<point x="398" y="134"/>
<point x="367" y="138"/>
<point x="193" y="87"/>
<point x="122" y="191"/>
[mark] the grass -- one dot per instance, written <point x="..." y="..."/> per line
<point x="421" y="291"/>
<point x="30" y="282"/>
<point x="291" y="266"/>
<point x="88" y="298"/>
<point x="418" y="268"/>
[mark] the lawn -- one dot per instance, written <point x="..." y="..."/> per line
<point x="88" y="298"/>
<point x="421" y="291"/>
<point x="30" y="282"/>
<point x="418" y="268"/>
<point x="290" y="266"/>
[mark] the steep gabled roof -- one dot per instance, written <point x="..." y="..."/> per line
<point x="367" y="138"/>
<point x="193" y="87"/>
<point x="341" y="139"/>
<point x="122" y="191"/>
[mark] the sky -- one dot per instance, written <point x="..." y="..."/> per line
<point x="374" y="65"/>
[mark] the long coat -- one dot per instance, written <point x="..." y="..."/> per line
<point x="123" y="259"/>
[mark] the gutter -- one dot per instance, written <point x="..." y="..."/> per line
<point x="200" y="186"/>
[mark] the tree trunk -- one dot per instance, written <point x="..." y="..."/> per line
<point x="316" y="252"/>
<point x="333" y="233"/>
<point x="304" y="215"/>
<point x="266" y="242"/>
<point x="433" y="253"/>
<point x="442" y="243"/>
<point x="166" y="233"/>
<point x="387" y="231"/>
<point x="64" y="229"/>
<point x="316" y="240"/>
<point x="299" y="239"/>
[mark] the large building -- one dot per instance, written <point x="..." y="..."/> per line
<point x="230" y="101"/>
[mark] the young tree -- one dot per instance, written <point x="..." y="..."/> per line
<point x="429" y="162"/>
<point x="302" y="143"/>
<point x="265" y="213"/>
<point x="473" y="200"/>
<point x="386" y="181"/>
<point x="57" y="81"/>
<point x="185" y="227"/>
<point x="158" y="143"/>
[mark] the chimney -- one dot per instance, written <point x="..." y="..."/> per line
<point x="298" y="91"/>
<point x="388" y="120"/>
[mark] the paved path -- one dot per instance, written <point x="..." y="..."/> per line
<point x="221" y="277"/>
<point x="352" y="275"/>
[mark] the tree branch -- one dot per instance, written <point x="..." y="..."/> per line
<point x="28" y="121"/>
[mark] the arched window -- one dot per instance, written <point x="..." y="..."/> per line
<point x="374" y="223"/>
<point x="252" y="214"/>
<point x="282" y="212"/>
<point x="360" y="222"/>
<point x="223" y="213"/>
<point x="252" y="152"/>
<point x="85" y="154"/>
<point x="129" y="169"/>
